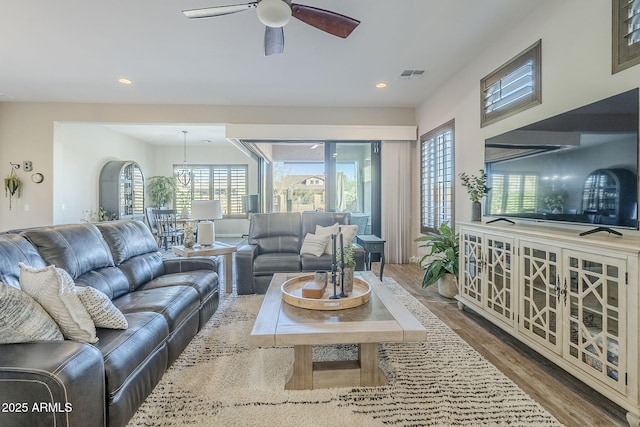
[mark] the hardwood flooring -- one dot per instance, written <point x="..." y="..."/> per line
<point x="572" y="402"/>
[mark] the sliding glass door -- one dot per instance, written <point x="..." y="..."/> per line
<point x="333" y="176"/>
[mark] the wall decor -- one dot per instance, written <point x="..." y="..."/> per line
<point x="37" y="177"/>
<point x="12" y="184"/>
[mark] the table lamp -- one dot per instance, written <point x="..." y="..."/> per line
<point x="205" y="211"/>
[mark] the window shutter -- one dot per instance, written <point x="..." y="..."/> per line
<point x="626" y="34"/>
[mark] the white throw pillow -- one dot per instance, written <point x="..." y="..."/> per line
<point x="314" y="244"/>
<point x="328" y="231"/>
<point x="102" y="311"/>
<point x="348" y="234"/>
<point x="54" y="289"/>
<point x="22" y="319"/>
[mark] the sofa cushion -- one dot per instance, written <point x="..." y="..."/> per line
<point x="126" y="351"/>
<point x="141" y="269"/>
<point x="53" y="288"/>
<point x="315" y="263"/>
<point x="314" y="244"/>
<point x="22" y="319"/>
<point x="127" y="239"/>
<point x="14" y="249"/>
<point x="175" y="303"/>
<point x="276" y="263"/>
<point x="111" y="281"/>
<point x="102" y="311"/>
<point x="324" y="219"/>
<point x="275" y="232"/>
<point x="203" y="281"/>
<point x="76" y="248"/>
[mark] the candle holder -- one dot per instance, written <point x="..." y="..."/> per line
<point x="334" y="267"/>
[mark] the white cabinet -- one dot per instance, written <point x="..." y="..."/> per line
<point x="573" y="299"/>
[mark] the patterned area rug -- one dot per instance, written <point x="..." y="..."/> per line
<point x="220" y="381"/>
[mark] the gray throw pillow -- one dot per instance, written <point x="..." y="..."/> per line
<point x="22" y="319"/>
<point x="314" y="244"/>
<point x="101" y="309"/>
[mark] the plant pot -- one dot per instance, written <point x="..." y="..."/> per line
<point x="476" y="211"/>
<point x="348" y="280"/>
<point x="448" y="285"/>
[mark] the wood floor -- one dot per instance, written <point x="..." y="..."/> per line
<point x="569" y="400"/>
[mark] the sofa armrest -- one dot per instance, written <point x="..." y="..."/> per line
<point x="57" y="383"/>
<point x="181" y="265"/>
<point x="245" y="256"/>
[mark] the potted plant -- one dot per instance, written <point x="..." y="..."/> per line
<point x="476" y="186"/>
<point x="440" y="264"/>
<point x="12" y="186"/>
<point x="161" y="190"/>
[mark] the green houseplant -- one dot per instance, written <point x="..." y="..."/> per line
<point x="349" y="265"/>
<point x="12" y="186"/>
<point x="161" y="190"/>
<point x="440" y="264"/>
<point x="476" y="186"/>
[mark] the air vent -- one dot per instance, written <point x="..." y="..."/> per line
<point x="412" y="74"/>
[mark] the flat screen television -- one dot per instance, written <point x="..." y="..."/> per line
<point x="577" y="167"/>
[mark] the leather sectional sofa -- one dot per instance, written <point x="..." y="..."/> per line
<point x="274" y="244"/>
<point x="165" y="302"/>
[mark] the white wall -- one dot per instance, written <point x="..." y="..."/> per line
<point x="79" y="152"/>
<point x="27" y="133"/>
<point x="576" y="70"/>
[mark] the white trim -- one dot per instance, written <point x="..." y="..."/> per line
<point x="321" y="132"/>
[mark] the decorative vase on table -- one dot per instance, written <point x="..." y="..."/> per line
<point x="476" y="211"/>
<point x="448" y="285"/>
<point x="348" y="279"/>
<point x="189" y="237"/>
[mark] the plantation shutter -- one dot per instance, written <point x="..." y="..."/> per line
<point x="626" y="34"/>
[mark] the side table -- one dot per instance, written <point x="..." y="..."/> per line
<point x="214" y="250"/>
<point x="372" y="245"/>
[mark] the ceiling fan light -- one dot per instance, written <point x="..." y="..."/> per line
<point x="273" y="13"/>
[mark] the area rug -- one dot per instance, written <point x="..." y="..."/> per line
<point x="220" y="380"/>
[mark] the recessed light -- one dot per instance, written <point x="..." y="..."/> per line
<point x="207" y="141"/>
<point x="124" y="81"/>
<point x="381" y="85"/>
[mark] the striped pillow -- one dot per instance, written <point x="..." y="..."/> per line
<point x="22" y="319"/>
<point x="314" y="244"/>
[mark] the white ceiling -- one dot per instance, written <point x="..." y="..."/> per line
<point x="75" y="50"/>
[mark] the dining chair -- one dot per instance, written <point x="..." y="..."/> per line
<point x="167" y="229"/>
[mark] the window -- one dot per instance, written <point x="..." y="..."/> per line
<point x="626" y="34"/>
<point x="512" y="193"/>
<point x="513" y="87"/>
<point x="436" y="175"/>
<point x="227" y="183"/>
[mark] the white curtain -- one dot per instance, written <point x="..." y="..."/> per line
<point x="396" y="200"/>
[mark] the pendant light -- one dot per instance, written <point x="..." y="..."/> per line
<point x="184" y="175"/>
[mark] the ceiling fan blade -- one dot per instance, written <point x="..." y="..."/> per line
<point x="273" y="41"/>
<point x="325" y="20"/>
<point x="209" y="12"/>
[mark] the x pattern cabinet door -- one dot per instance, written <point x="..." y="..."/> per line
<point x="470" y="287"/>
<point x="595" y="301"/>
<point x="498" y="274"/>
<point x="540" y="306"/>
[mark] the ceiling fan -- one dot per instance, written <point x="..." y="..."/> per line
<point x="274" y="14"/>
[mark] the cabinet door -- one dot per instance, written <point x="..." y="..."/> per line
<point x="595" y="327"/>
<point x="498" y="277"/>
<point x="540" y="308"/>
<point x="470" y="287"/>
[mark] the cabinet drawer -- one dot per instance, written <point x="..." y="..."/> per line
<point x="374" y="247"/>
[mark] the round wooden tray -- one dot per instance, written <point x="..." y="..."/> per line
<point x="292" y="294"/>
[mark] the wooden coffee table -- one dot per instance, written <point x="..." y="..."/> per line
<point x="214" y="250"/>
<point x="382" y="319"/>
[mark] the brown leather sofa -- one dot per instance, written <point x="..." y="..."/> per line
<point x="274" y="244"/>
<point x="165" y="302"/>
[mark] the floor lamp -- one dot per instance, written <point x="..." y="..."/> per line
<point x="205" y="211"/>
